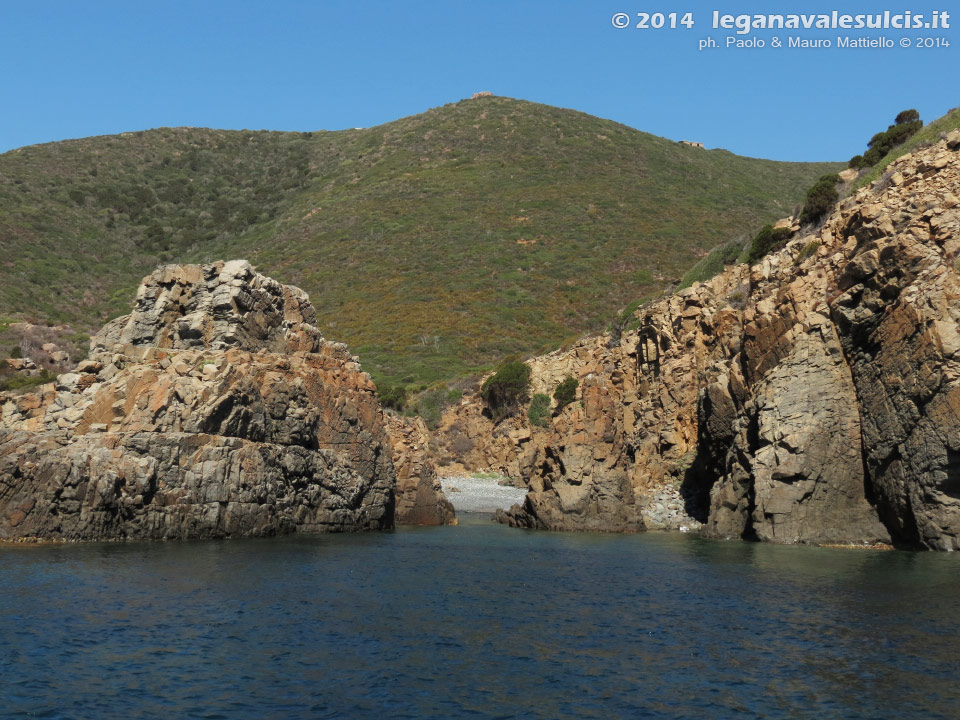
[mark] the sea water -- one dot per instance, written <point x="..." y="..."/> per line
<point x="478" y="620"/>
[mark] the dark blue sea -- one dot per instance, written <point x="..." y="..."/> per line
<point x="478" y="621"/>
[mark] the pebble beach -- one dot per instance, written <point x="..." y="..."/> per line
<point x="480" y="495"/>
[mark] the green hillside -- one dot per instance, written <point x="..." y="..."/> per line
<point x="434" y="245"/>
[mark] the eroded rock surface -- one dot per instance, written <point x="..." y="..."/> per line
<point x="215" y="409"/>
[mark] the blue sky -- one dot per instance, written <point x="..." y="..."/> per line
<point x="73" y="69"/>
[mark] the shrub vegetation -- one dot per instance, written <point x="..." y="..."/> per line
<point x="821" y="199"/>
<point x="766" y="241"/>
<point x="507" y="390"/>
<point x="539" y="410"/>
<point x="430" y="405"/>
<point x="393" y="396"/>
<point x="19" y="381"/>
<point x="906" y="124"/>
<point x="565" y="393"/>
<point x="925" y="136"/>
<point x="434" y="245"/>
<point x="714" y="262"/>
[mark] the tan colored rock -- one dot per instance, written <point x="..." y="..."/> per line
<point x="581" y="485"/>
<point x="799" y="443"/>
<point x="20" y="364"/>
<point x="217" y="306"/>
<point x="848" y="175"/>
<point x="419" y="496"/>
<point x="90" y="366"/>
<point x="141" y="443"/>
<point x="467" y="441"/>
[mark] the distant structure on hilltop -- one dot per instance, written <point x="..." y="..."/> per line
<point x="483" y="93"/>
<point x="691" y="144"/>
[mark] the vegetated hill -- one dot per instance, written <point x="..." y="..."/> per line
<point x="433" y="245"/>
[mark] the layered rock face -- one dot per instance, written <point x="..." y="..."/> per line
<point x="813" y="398"/>
<point x="420" y="498"/>
<point x="215" y="409"/>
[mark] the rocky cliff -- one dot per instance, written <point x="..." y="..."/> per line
<point x="215" y="409"/>
<point x="420" y="498"/>
<point x="812" y="398"/>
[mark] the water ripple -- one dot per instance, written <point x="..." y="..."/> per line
<point x="476" y="621"/>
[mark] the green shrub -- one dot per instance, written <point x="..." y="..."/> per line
<point x="539" y="410"/>
<point x="766" y="241"/>
<point x="895" y="135"/>
<point x="393" y="396"/>
<point x="907" y="116"/>
<point x="856" y="162"/>
<point x="924" y="137"/>
<point x="81" y="341"/>
<point x="430" y="407"/>
<point x="872" y="156"/>
<point x="506" y="390"/>
<point x="16" y="352"/>
<point x="821" y="199"/>
<point x="565" y="393"/>
<point x="906" y="124"/>
<point x="22" y="382"/>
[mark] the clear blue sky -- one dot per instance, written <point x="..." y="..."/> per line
<point x="77" y="68"/>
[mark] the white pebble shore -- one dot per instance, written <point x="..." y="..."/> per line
<point x="479" y="495"/>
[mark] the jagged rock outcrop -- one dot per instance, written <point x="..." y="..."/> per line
<point x="215" y="409"/>
<point x="419" y="495"/>
<point x="582" y="482"/>
<point x="813" y="398"/>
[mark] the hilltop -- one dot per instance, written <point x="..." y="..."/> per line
<point x="434" y="245"/>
